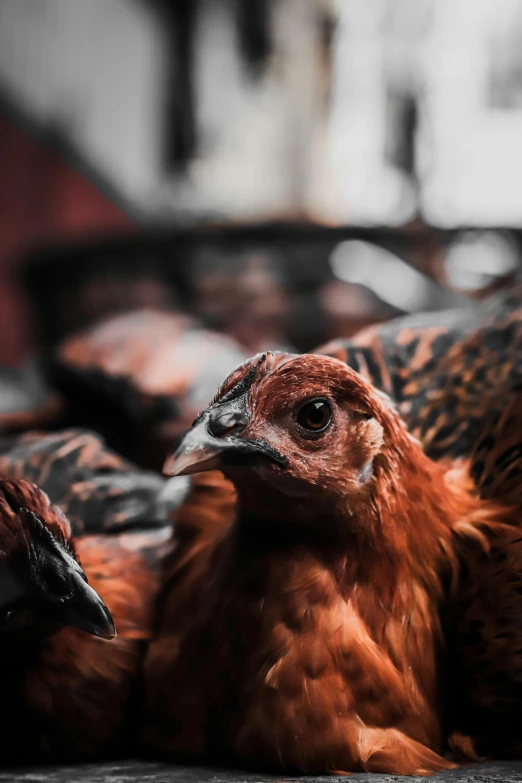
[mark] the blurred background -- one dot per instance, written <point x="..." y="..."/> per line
<point x="261" y="174"/>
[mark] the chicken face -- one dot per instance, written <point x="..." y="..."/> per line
<point x="42" y="585"/>
<point x="300" y="426"/>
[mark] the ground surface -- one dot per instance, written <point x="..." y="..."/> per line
<point x="143" y="772"/>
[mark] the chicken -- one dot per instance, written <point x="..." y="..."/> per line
<point x="67" y="695"/>
<point x="81" y="693"/>
<point x="98" y="490"/>
<point x="443" y="370"/>
<point x="139" y="378"/>
<point x="42" y="585"/>
<point x="304" y="633"/>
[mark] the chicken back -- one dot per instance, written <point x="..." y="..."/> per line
<point x="444" y="370"/>
<point x="98" y="490"/>
<point x="140" y="377"/>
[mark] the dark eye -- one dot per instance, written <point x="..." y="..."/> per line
<point x="56" y="582"/>
<point x="315" y="415"/>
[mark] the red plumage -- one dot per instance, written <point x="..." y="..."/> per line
<point x="81" y="691"/>
<point x="66" y="694"/>
<point x="305" y="631"/>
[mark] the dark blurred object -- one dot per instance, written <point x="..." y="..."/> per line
<point x="73" y="286"/>
<point x="98" y="490"/>
<point x="141" y="378"/>
<point x="179" y="20"/>
<point x="244" y="293"/>
<point x="272" y="285"/>
<point x="26" y="401"/>
<point x="179" y="24"/>
<point x="448" y="370"/>
<point x="255" y="40"/>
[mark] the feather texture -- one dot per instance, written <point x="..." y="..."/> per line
<point x="443" y="370"/>
<point x="305" y="633"/>
<point x="68" y="695"/>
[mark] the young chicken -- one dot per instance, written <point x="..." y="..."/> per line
<point x="67" y="695"/>
<point x="304" y="632"/>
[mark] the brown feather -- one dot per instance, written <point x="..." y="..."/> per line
<point x="80" y="691"/>
<point x="305" y="634"/>
<point x="445" y="370"/>
<point x="67" y="695"/>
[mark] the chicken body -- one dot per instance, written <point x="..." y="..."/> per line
<point x="67" y="695"/>
<point x="98" y="490"/>
<point x="72" y="696"/>
<point x="42" y="585"/>
<point x="483" y="628"/>
<point x="140" y="378"/>
<point x="304" y="633"/>
<point x="483" y="632"/>
<point x="456" y="379"/>
<point x="445" y="370"/>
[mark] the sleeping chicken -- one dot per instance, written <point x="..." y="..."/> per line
<point x="67" y="695"/>
<point x="443" y="370"/>
<point x="304" y="633"/>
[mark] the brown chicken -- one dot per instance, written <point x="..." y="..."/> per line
<point x="443" y="370"/>
<point x="67" y="695"/>
<point x="304" y="633"/>
<point x="42" y="585"/>
<point x="483" y="634"/>
<point x="139" y="378"/>
<point x="99" y="491"/>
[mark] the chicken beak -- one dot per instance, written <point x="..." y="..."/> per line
<point x="218" y="440"/>
<point x="195" y="453"/>
<point x="84" y="609"/>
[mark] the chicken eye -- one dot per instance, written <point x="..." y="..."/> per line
<point x="315" y="415"/>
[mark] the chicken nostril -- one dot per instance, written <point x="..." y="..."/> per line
<point x="226" y="423"/>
